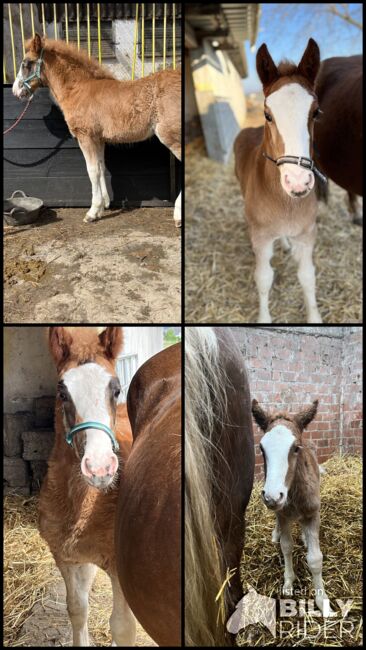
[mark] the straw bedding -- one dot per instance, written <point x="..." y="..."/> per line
<point x="219" y="280"/>
<point x="262" y="563"/>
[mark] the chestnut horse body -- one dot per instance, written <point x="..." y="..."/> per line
<point x="148" y="517"/>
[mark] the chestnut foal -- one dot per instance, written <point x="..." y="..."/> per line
<point x="79" y="494"/>
<point x="276" y="173"/>
<point x="292" y="490"/>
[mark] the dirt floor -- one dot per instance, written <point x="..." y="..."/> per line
<point x="125" y="267"/>
<point x="219" y="262"/>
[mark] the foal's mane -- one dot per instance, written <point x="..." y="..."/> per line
<point x="79" y="59"/>
<point x="83" y="343"/>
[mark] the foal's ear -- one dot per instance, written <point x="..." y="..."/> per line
<point x="310" y="62"/>
<point x="260" y="416"/>
<point x="304" y="418"/>
<point x="111" y="340"/>
<point x="59" y="340"/>
<point x="267" y="70"/>
<point x="37" y="43"/>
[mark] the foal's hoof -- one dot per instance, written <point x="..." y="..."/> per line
<point x="89" y="219"/>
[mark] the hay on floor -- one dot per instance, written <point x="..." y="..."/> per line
<point x="219" y="261"/>
<point x="262" y="564"/>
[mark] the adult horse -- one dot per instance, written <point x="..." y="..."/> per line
<point x="219" y="469"/>
<point x="148" y="517"/>
<point x="98" y="108"/>
<point x="338" y="134"/>
<point x="78" y="496"/>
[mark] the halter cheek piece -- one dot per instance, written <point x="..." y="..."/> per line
<point x="92" y="425"/>
<point x="35" y="75"/>
<point x="307" y="163"/>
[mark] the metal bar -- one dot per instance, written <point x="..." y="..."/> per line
<point x="153" y="38"/>
<point x="21" y="27"/>
<point x="67" y="23"/>
<point x="4" y="70"/>
<point x="142" y="38"/>
<point x="43" y="20"/>
<point x="164" y="38"/>
<point x="135" y="41"/>
<point x="78" y="24"/>
<point x="173" y="36"/>
<point x="99" y="36"/>
<point x="32" y="19"/>
<point x="55" y="19"/>
<point x="12" y="40"/>
<point x="88" y="24"/>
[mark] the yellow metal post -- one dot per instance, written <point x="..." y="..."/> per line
<point x="21" y="27"/>
<point x="164" y="37"/>
<point x="88" y="24"/>
<point x="66" y="23"/>
<point x="153" y="38"/>
<point x="4" y="69"/>
<point x="99" y="36"/>
<point x="173" y="36"/>
<point x="12" y="40"/>
<point x="32" y="18"/>
<point x="142" y="37"/>
<point x="78" y="24"/>
<point x="135" y="41"/>
<point x="55" y="19"/>
<point x="43" y="20"/>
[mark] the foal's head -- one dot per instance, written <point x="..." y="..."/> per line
<point x="281" y="447"/>
<point x="31" y="71"/>
<point x="290" y="108"/>
<point x="87" y="392"/>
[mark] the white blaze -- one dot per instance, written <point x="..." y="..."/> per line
<point x="87" y="385"/>
<point x="290" y="107"/>
<point x="276" y="444"/>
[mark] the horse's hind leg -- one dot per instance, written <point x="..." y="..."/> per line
<point x="90" y="150"/>
<point x="103" y="186"/>
<point x="171" y="139"/>
<point x="78" y="580"/>
<point x="122" y="621"/>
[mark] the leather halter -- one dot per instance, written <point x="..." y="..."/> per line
<point x="301" y="161"/>
<point x="92" y="425"/>
<point x="35" y="75"/>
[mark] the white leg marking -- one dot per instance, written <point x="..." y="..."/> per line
<point x="122" y="621"/>
<point x="105" y="195"/>
<point x="286" y="547"/>
<point x="264" y="278"/>
<point x="78" y="580"/>
<point x="177" y="211"/>
<point x="315" y="562"/>
<point x="90" y="151"/>
<point x="306" y="273"/>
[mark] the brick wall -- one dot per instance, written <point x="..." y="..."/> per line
<point x="289" y="368"/>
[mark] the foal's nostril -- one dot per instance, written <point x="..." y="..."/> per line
<point x="281" y="495"/>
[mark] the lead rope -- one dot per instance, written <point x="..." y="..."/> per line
<point x="19" y="118"/>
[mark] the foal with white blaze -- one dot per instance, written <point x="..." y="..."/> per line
<point x="291" y="490"/>
<point x="276" y="173"/>
<point x="79" y="494"/>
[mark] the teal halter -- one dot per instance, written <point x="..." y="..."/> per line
<point x="35" y="75"/>
<point x="92" y="425"/>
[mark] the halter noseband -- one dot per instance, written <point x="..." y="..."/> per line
<point x="301" y="161"/>
<point x="35" y="75"/>
<point x="92" y="425"/>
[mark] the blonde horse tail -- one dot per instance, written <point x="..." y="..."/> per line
<point x="205" y="406"/>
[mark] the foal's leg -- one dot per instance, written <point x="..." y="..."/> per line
<point x="78" y="580"/>
<point x="172" y="141"/>
<point x="90" y="151"/>
<point x="315" y="562"/>
<point x="287" y="547"/>
<point x="122" y="621"/>
<point x="302" y="251"/>
<point x="103" y="186"/>
<point x="355" y="208"/>
<point x="276" y="533"/>
<point x="264" y="277"/>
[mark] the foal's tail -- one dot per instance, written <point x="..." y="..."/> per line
<point x="204" y="566"/>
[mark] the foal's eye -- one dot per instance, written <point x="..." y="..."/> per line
<point x="296" y="449"/>
<point x="116" y="393"/>
<point x="267" y="116"/>
<point x="316" y="113"/>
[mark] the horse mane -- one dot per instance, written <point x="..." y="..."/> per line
<point x="287" y="68"/>
<point x="79" y="58"/>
